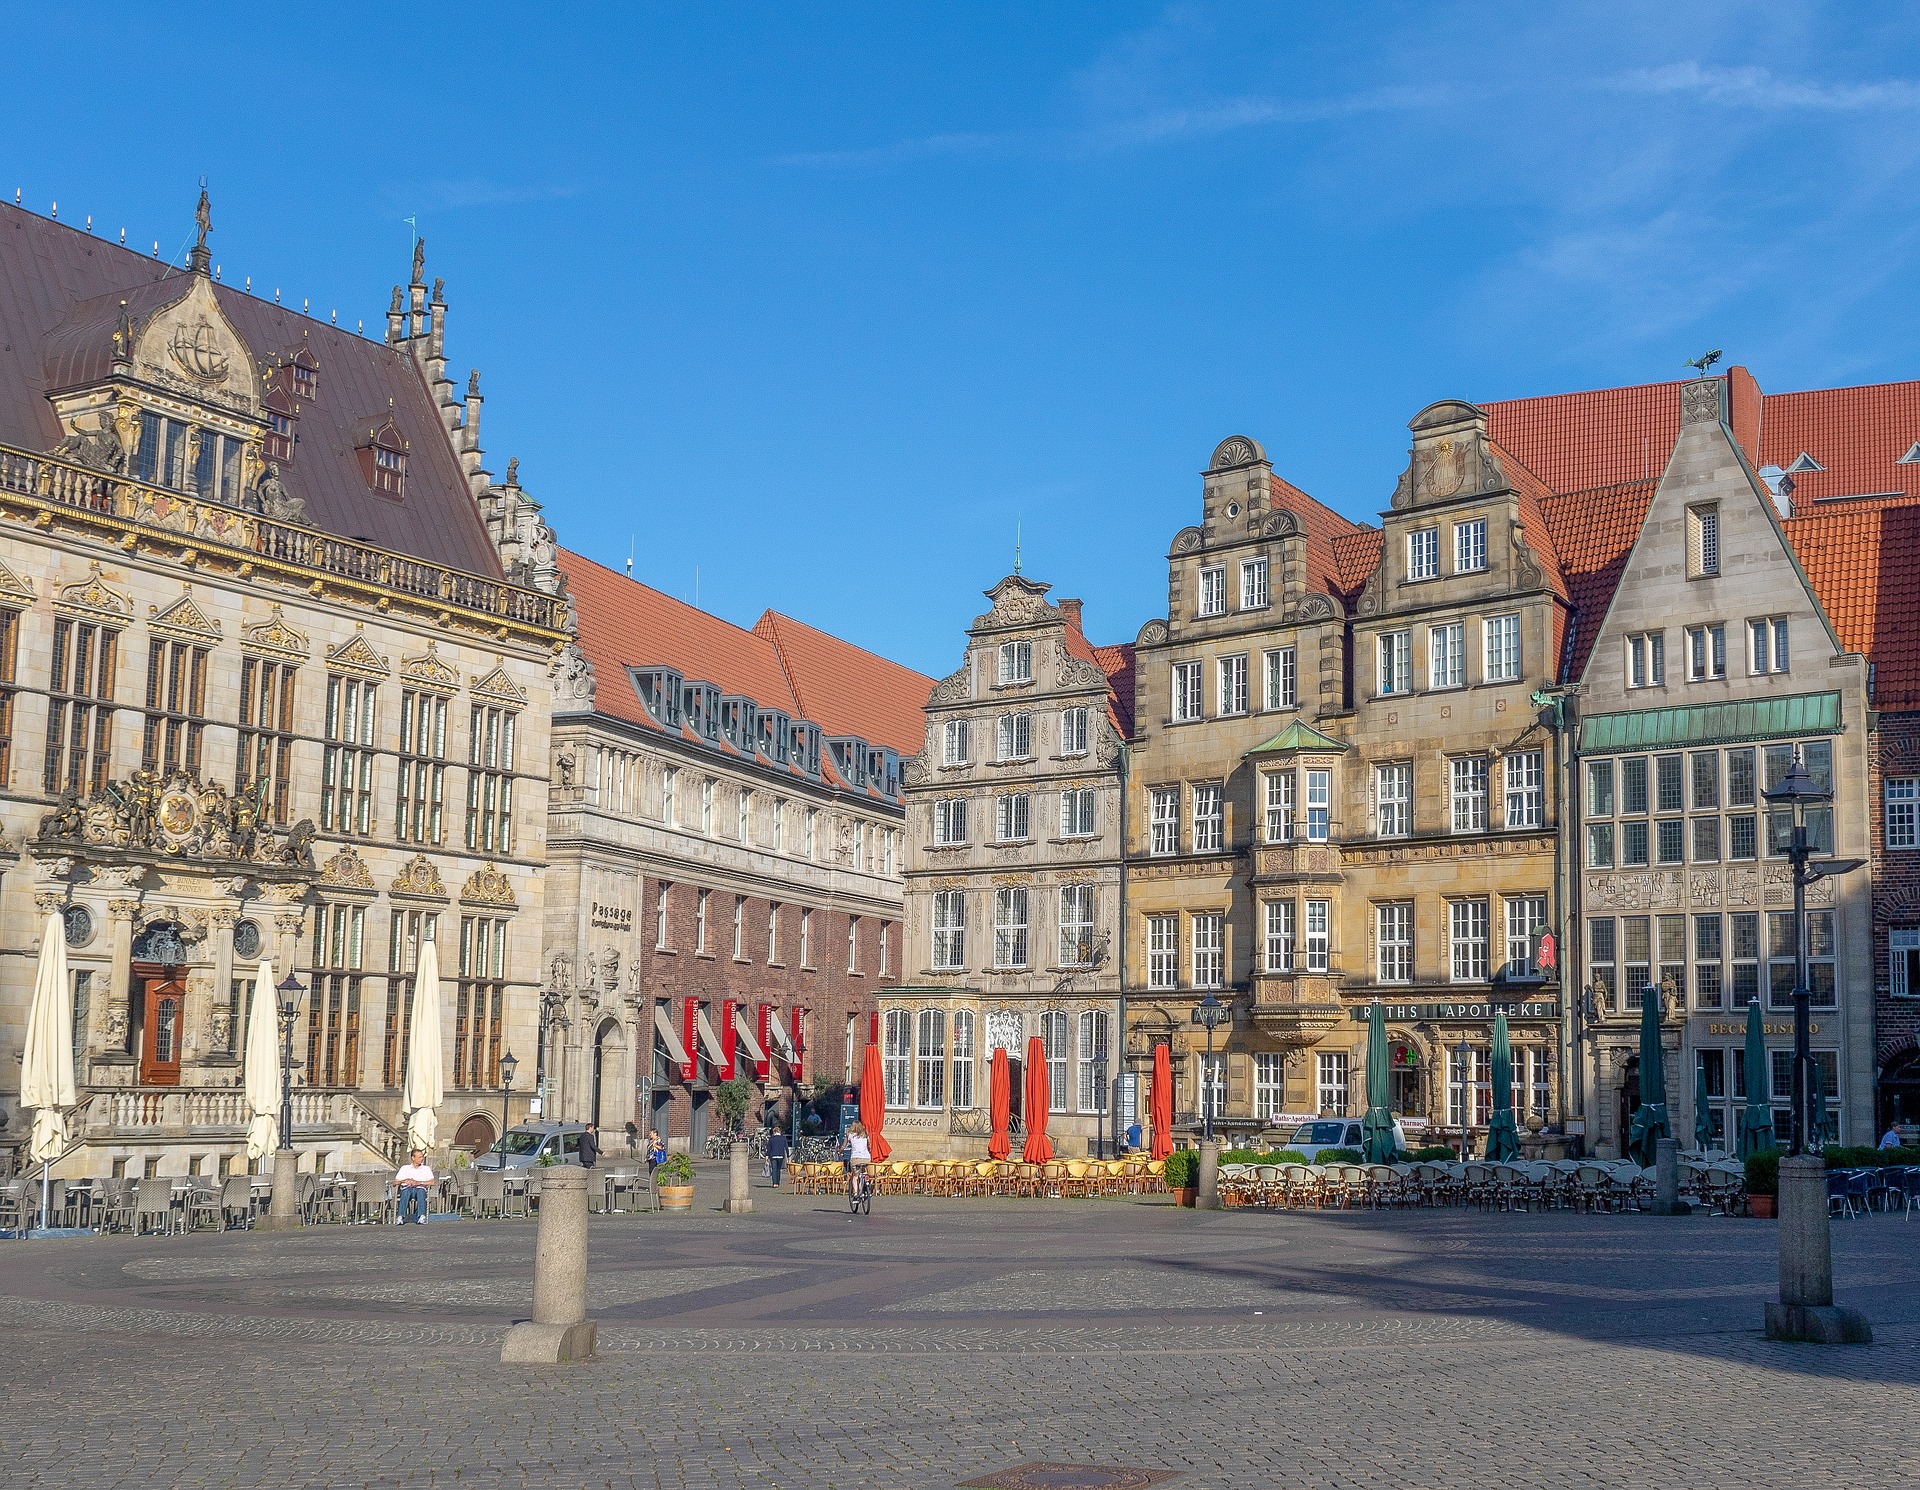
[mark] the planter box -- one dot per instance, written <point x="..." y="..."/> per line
<point x="1763" y="1206"/>
<point x="676" y="1197"/>
<point x="1186" y="1195"/>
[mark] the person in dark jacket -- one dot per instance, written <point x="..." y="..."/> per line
<point x="776" y="1156"/>
<point x="589" y="1146"/>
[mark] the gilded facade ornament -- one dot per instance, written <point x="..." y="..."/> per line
<point x="418" y="878"/>
<point x="356" y="655"/>
<point x="498" y="686"/>
<point x="94" y="598"/>
<point x="428" y="671"/>
<point x="346" y="870"/>
<point x="183" y="620"/>
<point x="488" y="886"/>
<point x="276" y="639"/>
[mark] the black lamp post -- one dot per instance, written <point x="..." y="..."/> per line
<point x="507" y="1066"/>
<point x="289" y="989"/>
<point x="1211" y="1013"/>
<point x="1463" y="1057"/>
<point x="1797" y="792"/>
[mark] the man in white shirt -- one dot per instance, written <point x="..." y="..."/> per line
<point x="414" y="1180"/>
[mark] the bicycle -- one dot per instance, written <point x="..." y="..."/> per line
<point x="859" y="1191"/>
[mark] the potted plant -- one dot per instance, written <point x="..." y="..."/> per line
<point x="1183" y="1176"/>
<point x="673" y="1179"/>
<point x="1763" y="1183"/>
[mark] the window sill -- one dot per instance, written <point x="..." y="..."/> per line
<point x="704" y="957"/>
<point x="666" y="952"/>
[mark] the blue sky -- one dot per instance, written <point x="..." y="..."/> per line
<point x="826" y="300"/>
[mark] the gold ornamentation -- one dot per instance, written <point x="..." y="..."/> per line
<point x="273" y="637"/>
<point x="94" y="597"/>
<point x="498" y="686"/>
<point x="429" y="672"/>
<point x="183" y="619"/>
<point x="418" y="877"/>
<point x="356" y="655"/>
<point x="488" y="886"/>
<point x="346" y="870"/>
<point x="14" y="587"/>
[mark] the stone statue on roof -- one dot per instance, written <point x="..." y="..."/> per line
<point x="419" y="259"/>
<point x="203" y="219"/>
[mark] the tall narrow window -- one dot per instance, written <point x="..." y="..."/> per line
<point x="896" y="1057"/>
<point x="706" y="808"/>
<point x="1319" y="814"/>
<point x="1213" y="592"/>
<point x="1209" y="951"/>
<point x="1253" y="584"/>
<point x="1053" y="1044"/>
<point x="1208" y="820"/>
<point x="1233" y="685"/>
<point x="346" y="766"/>
<point x="1317" y="940"/>
<point x="333" y="1007"/>
<point x="1396" y="662"/>
<point x="1524" y="771"/>
<point x="1073" y="730"/>
<point x="1902" y="815"/>
<point x="1526" y="914"/>
<point x="1010" y="927"/>
<point x="1423" y="553"/>
<point x="1076" y="812"/>
<point x="1703" y="540"/>
<point x="739" y="928"/>
<point x="1013" y="817"/>
<point x="1187" y="702"/>
<point x="1470" y="546"/>
<point x="806" y="937"/>
<point x="1016" y="737"/>
<point x="1076" y="925"/>
<point x="963" y="1048"/>
<point x="700" y="920"/>
<point x="1502" y="637"/>
<point x="1163" y="951"/>
<point x="490" y="781"/>
<point x="661" y="926"/>
<point x="1394" y="962"/>
<point x="409" y="929"/>
<point x="1468" y="921"/>
<point x="423" y="754"/>
<point x="1283" y="686"/>
<point x="950" y="820"/>
<point x="1469" y="794"/>
<point x="1095" y="1034"/>
<point x="480" y="1002"/>
<point x="773" y="935"/>
<point x="853" y="944"/>
<point x="1280" y="806"/>
<point x="810" y="834"/>
<point x="1447" y="656"/>
<point x="743" y="815"/>
<point x="1331" y="1087"/>
<point x="1015" y="662"/>
<point x="1602" y="964"/>
<point x="1269" y="1085"/>
<point x="1706" y="653"/>
<point x="949" y="930"/>
<point x="956" y="742"/>
<point x="266" y="734"/>
<point x="176" y="707"/>
<point x="1280" y="936"/>
<point x="930" y="1060"/>
<point x="1393" y="790"/>
<point x="1164" y="809"/>
<point x="9" y="663"/>
<point x="80" y="707"/>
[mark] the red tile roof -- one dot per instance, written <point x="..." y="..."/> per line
<point x="1357" y="555"/>
<point x="1117" y="663"/>
<point x="1593" y="532"/>
<point x="1861" y="563"/>
<point x="847" y="690"/>
<point x="1858" y="434"/>
<point x="60" y="294"/>
<point x="1324" y="529"/>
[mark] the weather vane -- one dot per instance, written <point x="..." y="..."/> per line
<point x="1704" y="361"/>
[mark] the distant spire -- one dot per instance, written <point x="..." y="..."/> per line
<point x="200" y="259"/>
<point x="1016" y="545"/>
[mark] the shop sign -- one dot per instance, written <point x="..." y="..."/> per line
<point x="1486" y="1009"/>
<point x="609" y="917"/>
<point x="1721" y="1027"/>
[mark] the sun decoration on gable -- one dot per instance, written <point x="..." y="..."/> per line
<point x="497" y="687"/>
<point x="428" y="671"/>
<point x="356" y="655"/>
<point x="273" y="637"/>
<point x="183" y="620"/>
<point x="94" y="598"/>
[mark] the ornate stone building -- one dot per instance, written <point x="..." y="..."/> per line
<point x="725" y="835"/>
<point x="274" y="653"/>
<point x="1013" y="892"/>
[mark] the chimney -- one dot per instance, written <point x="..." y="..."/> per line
<point x="1071" y="610"/>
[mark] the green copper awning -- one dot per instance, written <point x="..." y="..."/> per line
<point x="1297" y="736"/>
<point x="1712" y="724"/>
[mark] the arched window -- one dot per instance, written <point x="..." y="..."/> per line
<point x="930" y="1065"/>
<point x="963" y="1058"/>
<point x="897" y="1056"/>
<point x="1053" y="1036"/>
<point x="1093" y="1060"/>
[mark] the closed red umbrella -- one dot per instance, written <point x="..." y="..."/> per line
<point x="1000" y="1099"/>
<point x="873" y="1103"/>
<point x="1160" y="1103"/>
<point x="1039" y="1098"/>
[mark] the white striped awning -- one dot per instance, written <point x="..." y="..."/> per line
<point x="777" y="1031"/>
<point x="663" y="1026"/>
<point x="708" y="1038"/>
<point x="743" y="1029"/>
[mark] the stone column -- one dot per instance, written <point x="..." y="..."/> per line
<point x="1209" y="1197"/>
<point x="1806" y="1310"/>
<point x="113" y="1017"/>
<point x="739" y="1200"/>
<point x="222" y="919"/>
<point x="560" y="1330"/>
<point x="1666" y="1177"/>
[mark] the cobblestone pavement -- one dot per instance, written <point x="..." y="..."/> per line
<point x="939" y="1340"/>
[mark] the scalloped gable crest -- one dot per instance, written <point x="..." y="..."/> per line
<point x="429" y="671"/>
<point x="94" y="597"/>
<point x="183" y="619"/>
<point x="356" y="655"/>
<point x="273" y="637"/>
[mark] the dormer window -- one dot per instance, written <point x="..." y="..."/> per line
<point x="279" y="438"/>
<point x="383" y="459"/>
<point x="306" y="381"/>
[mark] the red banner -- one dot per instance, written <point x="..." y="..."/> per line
<point x="690" y="1037"/>
<point x="728" y="1038"/>
<point x="764" y="1069"/>
<point x="798" y="1029"/>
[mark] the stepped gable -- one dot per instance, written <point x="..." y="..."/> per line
<point x="60" y="294"/>
<point x="847" y="690"/>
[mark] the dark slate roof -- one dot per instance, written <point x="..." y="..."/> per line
<point x="60" y="294"/>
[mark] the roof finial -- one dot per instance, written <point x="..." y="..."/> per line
<point x="200" y="260"/>
<point x="1016" y="545"/>
<point x="419" y="260"/>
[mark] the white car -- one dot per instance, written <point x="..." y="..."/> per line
<point x="1337" y="1133"/>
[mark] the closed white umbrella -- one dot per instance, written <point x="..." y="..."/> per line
<point x="263" y="1065"/>
<point x="425" y="1087"/>
<point x="46" y="1065"/>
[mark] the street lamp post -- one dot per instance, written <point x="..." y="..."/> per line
<point x="507" y="1067"/>
<point x="1211" y="1013"/>
<point x="1463" y="1057"/>
<point x="1805" y="1310"/>
<point x="283" y="1214"/>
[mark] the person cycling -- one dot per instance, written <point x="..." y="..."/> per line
<point x="859" y="1155"/>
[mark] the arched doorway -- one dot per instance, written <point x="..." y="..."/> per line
<point x="1900" y="1090"/>
<point x="156" y="1002"/>
<point x="609" y="1078"/>
<point x="475" y="1134"/>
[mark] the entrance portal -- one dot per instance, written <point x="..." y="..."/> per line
<point x="160" y="998"/>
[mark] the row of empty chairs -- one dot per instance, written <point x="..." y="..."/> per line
<point x="1060" y="1179"/>
<point x="1861" y="1192"/>
<point x="1555" y="1184"/>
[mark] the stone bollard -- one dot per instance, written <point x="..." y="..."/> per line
<point x="559" y="1330"/>
<point x="282" y="1214"/>
<point x="1806" y="1310"/>
<point x="1666" y="1178"/>
<point x="1209" y="1197"/>
<point x="739" y="1200"/>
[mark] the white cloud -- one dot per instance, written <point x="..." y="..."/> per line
<point x="1758" y="87"/>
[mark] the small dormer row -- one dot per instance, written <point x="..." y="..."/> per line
<point x="700" y="711"/>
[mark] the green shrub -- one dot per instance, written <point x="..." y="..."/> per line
<point x="1868" y="1158"/>
<point x="1286" y="1156"/>
<point x="1262" y="1156"/>
<point x="675" y="1169"/>
<point x="1763" y="1172"/>
<point x="1437" y="1153"/>
<point x="1340" y="1156"/>
<point x="1183" y="1169"/>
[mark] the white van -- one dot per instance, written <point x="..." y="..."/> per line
<point x="1337" y="1133"/>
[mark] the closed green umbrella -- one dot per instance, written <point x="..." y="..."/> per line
<point x="1503" y="1139"/>
<point x="1816" y="1109"/>
<point x="1702" y="1119"/>
<point x="1650" y="1123"/>
<point x="1756" y="1118"/>
<point x="1378" y="1127"/>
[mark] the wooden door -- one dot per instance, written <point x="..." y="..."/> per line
<point x="165" y="1009"/>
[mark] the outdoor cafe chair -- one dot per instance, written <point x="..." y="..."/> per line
<point x="1385" y="1185"/>
<point x="236" y="1202"/>
<point x="1026" y="1179"/>
<point x="1840" y="1196"/>
<point x="1597" y="1190"/>
<point x="1053" y="1179"/>
<point x="1303" y="1186"/>
<point x="13" y="1212"/>
<point x="153" y="1204"/>
<point x="1266" y="1187"/>
<point x="203" y="1204"/>
<point x="490" y="1193"/>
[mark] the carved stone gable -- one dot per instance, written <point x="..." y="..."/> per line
<point x="346" y="870"/>
<point x="955" y="688"/>
<point x="428" y="671"/>
<point x="1075" y="672"/>
<point x="419" y="879"/>
<point x="1017" y="601"/>
<point x="356" y="655"/>
<point x="488" y="886"/>
<point x="274" y="638"/>
<point x="12" y="587"/>
<point x="1700" y="401"/>
<point x="1152" y="634"/>
<point x="573" y="680"/>
<point x="498" y="687"/>
<point x="94" y="599"/>
<point x="191" y="348"/>
<point x="183" y="620"/>
<point x="1236" y="450"/>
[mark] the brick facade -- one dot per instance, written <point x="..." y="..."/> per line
<point x="1894" y="744"/>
